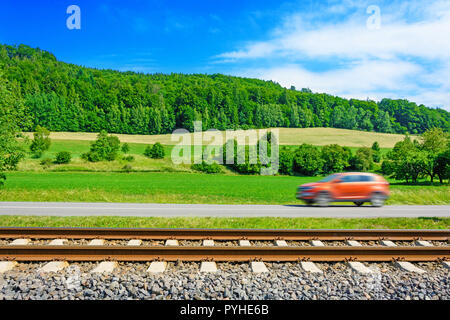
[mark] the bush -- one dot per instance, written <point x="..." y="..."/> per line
<point x="104" y="148"/>
<point x="363" y="160"/>
<point x="2" y="179"/>
<point x="46" y="163"/>
<point x="308" y="160"/>
<point x="127" y="168"/>
<point x="125" y="148"/>
<point x="128" y="158"/>
<point x="155" y="152"/>
<point x="207" y="168"/>
<point x="286" y="161"/>
<point x="41" y="141"/>
<point x="376" y="153"/>
<point x="335" y="158"/>
<point x="63" y="157"/>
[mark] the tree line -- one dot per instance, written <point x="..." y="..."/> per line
<point x="65" y="97"/>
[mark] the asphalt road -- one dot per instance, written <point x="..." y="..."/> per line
<point x="208" y="210"/>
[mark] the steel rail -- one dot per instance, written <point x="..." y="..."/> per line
<point x="222" y="234"/>
<point x="143" y="253"/>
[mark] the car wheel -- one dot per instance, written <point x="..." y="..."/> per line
<point x="359" y="203"/>
<point x="309" y="202"/>
<point x="322" y="199"/>
<point x="377" y="200"/>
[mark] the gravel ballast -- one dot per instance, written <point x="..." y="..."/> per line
<point x="232" y="281"/>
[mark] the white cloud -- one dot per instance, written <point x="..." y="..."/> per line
<point x="408" y="57"/>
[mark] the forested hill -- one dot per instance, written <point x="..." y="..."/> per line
<point x="66" y="97"/>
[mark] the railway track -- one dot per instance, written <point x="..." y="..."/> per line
<point x="305" y="245"/>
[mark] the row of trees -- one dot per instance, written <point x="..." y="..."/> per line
<point x="66" y="97"/>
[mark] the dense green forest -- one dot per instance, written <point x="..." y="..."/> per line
<point x="66" y="97"/>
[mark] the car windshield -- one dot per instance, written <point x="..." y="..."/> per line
<point x="329" y="178"/>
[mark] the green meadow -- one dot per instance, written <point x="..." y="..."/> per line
<point x="178" y="187"/>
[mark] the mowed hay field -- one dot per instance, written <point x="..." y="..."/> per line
<point x="288" y="136"/>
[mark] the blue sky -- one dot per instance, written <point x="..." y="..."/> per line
<point x="333" y="46"/>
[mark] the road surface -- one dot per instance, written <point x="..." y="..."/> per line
<point x="210" y="210"/>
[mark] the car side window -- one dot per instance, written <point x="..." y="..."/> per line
<point x="347" y="179"/>
<point x="366" y="178"/>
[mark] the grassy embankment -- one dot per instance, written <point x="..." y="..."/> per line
<point x="239" y="223"/>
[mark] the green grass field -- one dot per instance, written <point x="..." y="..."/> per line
<point x="235" y="223"/>
<point x="164" y="187"/>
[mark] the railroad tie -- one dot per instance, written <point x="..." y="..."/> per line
<point x="404" y="265"/>
<point x="423" y="243"/>
<point x="208" y="266"/>
<point x="317" y="243"/>
<point x="208" y="243"/>
<point x="258" y="267"/>
<point x="281" y="243"/>
<point x="105" y="266"/>
<point x="355" y="265"/>
<point x="134" y="242"/>
<point x="244" y="243"/>
<point x="171" y="242"/>
<point x="54" y="266"/>
<point x="309" y="266"/>
<point x="20" y="242"/>
<point x="7" y="265"/>
<point x="157" y="267"/>
<point x="96" y="242"/>
<point x="57" y="242"/>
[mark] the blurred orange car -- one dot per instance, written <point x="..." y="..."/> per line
<point x="356" y="187"/>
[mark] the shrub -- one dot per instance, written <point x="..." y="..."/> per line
<point x="41" y="141"/>
<point x="104" y="148"/>
<point x="127" y="168"/>
<point x="286" y="161"/>
<point x="2" y="179"/>
<point x="125" y="148"/>
<point x="207" y="168"/>
<point x="376" y="153"/>
<point x="307" y="160"/>
<point x="63" y="157"/>
<point x="335" y="158"/>
<point x="155" y="152"/>
<point x="46" y="163"/>
<point x="128" y="158"/>
<point x="363" y="160"/>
